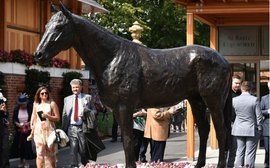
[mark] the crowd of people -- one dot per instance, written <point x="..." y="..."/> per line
<point x="250" y="122"/>
<point x="35" y="122"/>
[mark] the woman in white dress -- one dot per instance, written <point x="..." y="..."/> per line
<point x="45" y="113"/>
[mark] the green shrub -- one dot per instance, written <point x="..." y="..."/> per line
<point x="34" y="79"/>
<point x="105" y="122"/>
<point x="2" y="80"/>
<point x="67" y="77"/>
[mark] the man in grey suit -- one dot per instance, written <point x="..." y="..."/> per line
<point x="265" y="111"/>
<point x="78" y="120"/>
<point x="247" y="126"/>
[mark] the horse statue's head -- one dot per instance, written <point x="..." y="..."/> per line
<point x="59" y="35"/>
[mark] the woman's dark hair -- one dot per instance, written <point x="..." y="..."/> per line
<point x="37" y="95"/>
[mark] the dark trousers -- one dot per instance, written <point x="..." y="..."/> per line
<point x="157" y="150"/>
<point x="232" y="152"/>
<point x="144" y="147"/>
<point x="114" y="129"/>
<point x="137" y="138"/>
<point x="4" y="149"/>
<point x="77" y="145"/>
<point x="266" y="147"/>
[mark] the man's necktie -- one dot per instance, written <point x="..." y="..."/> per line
<point x="76" y="109"/>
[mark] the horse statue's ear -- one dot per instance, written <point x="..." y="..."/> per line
<point x="53" y="8"/>
<point x="65" y="11"/>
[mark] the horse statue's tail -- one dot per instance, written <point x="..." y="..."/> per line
<point x="227" y="113"/>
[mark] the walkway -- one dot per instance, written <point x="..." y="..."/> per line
<point x="175" y="152"/>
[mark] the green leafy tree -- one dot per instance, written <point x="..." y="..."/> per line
<point x="201" y="33"/>
<point x="34" y="79"/>
<point x="164" y="22"/>
<point x="2" y="81"/>
<point x="67" y="77"/>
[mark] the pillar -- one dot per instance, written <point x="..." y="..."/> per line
<point x="213" y="44"/>
<point x="190" y="119"/>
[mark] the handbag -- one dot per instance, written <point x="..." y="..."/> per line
<point x="89" y="120"/>
<point x="24" y="130"/>
<point x="57" y="137"/>
<point x="57" y="134"/>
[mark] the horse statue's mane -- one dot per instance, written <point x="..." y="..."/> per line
<point x="131" y="76"/>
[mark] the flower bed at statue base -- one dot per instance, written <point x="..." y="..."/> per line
<point x="150" y="165"/>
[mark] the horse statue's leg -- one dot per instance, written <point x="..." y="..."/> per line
<point x="124" y="119"/>
<point x="216" y="106"/>
<point x="199" y="113"/>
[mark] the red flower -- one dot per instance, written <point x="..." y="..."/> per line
<point x="59" y="63"/>
<point x="4" y="56"/>
<point x="22" y="57"/>
<point x="27" y="59"/>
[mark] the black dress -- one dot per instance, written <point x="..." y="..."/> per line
<point x="21" y="148"/>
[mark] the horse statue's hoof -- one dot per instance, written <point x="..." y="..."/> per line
<point x="200" y="164"/>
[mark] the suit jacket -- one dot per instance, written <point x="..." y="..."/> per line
<point x="16" y="114"/>
<point x="89" y="113"/>
<point x="157" y="124"/>
<point x="234" y="94"/>
<point x="248" y="115"/>
<point x="264" y="107"/>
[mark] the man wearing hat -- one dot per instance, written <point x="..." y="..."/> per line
<point x="3" y="132"/>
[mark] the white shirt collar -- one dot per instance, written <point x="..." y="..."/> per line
<point x="79" y="95"/>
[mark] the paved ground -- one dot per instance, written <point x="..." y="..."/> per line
<point x="175" y="152"/>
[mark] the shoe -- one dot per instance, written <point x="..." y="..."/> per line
<point x="20" y="166"/>
<point x="113" y="140"/>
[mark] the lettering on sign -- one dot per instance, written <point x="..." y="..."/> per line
<point x="238" y="41"/>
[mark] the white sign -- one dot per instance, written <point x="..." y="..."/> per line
<point x="238" y="41"/>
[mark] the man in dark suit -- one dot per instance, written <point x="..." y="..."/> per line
<point x="266" y="111"/>
<point x="4" y="123"/>
<point x="78" y="120"/>
<point x="247" y="126"/>
<point x="236" y="91"/>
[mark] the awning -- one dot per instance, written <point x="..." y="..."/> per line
<point x="92" y="6"/>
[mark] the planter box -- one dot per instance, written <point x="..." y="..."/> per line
<point x="19" y="69"/>
<point x="12" y="68"/>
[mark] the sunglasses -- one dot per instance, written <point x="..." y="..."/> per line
<point x="44" y="93"/>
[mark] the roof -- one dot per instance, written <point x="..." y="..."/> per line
<point x="229" y="12"/>
<point x="92" y="6"/>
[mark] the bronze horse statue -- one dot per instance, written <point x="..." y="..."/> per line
<point x="130" y="76"/>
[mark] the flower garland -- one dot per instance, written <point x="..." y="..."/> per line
<point x="149" y="165"/>
<point x="22" y="57"/>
